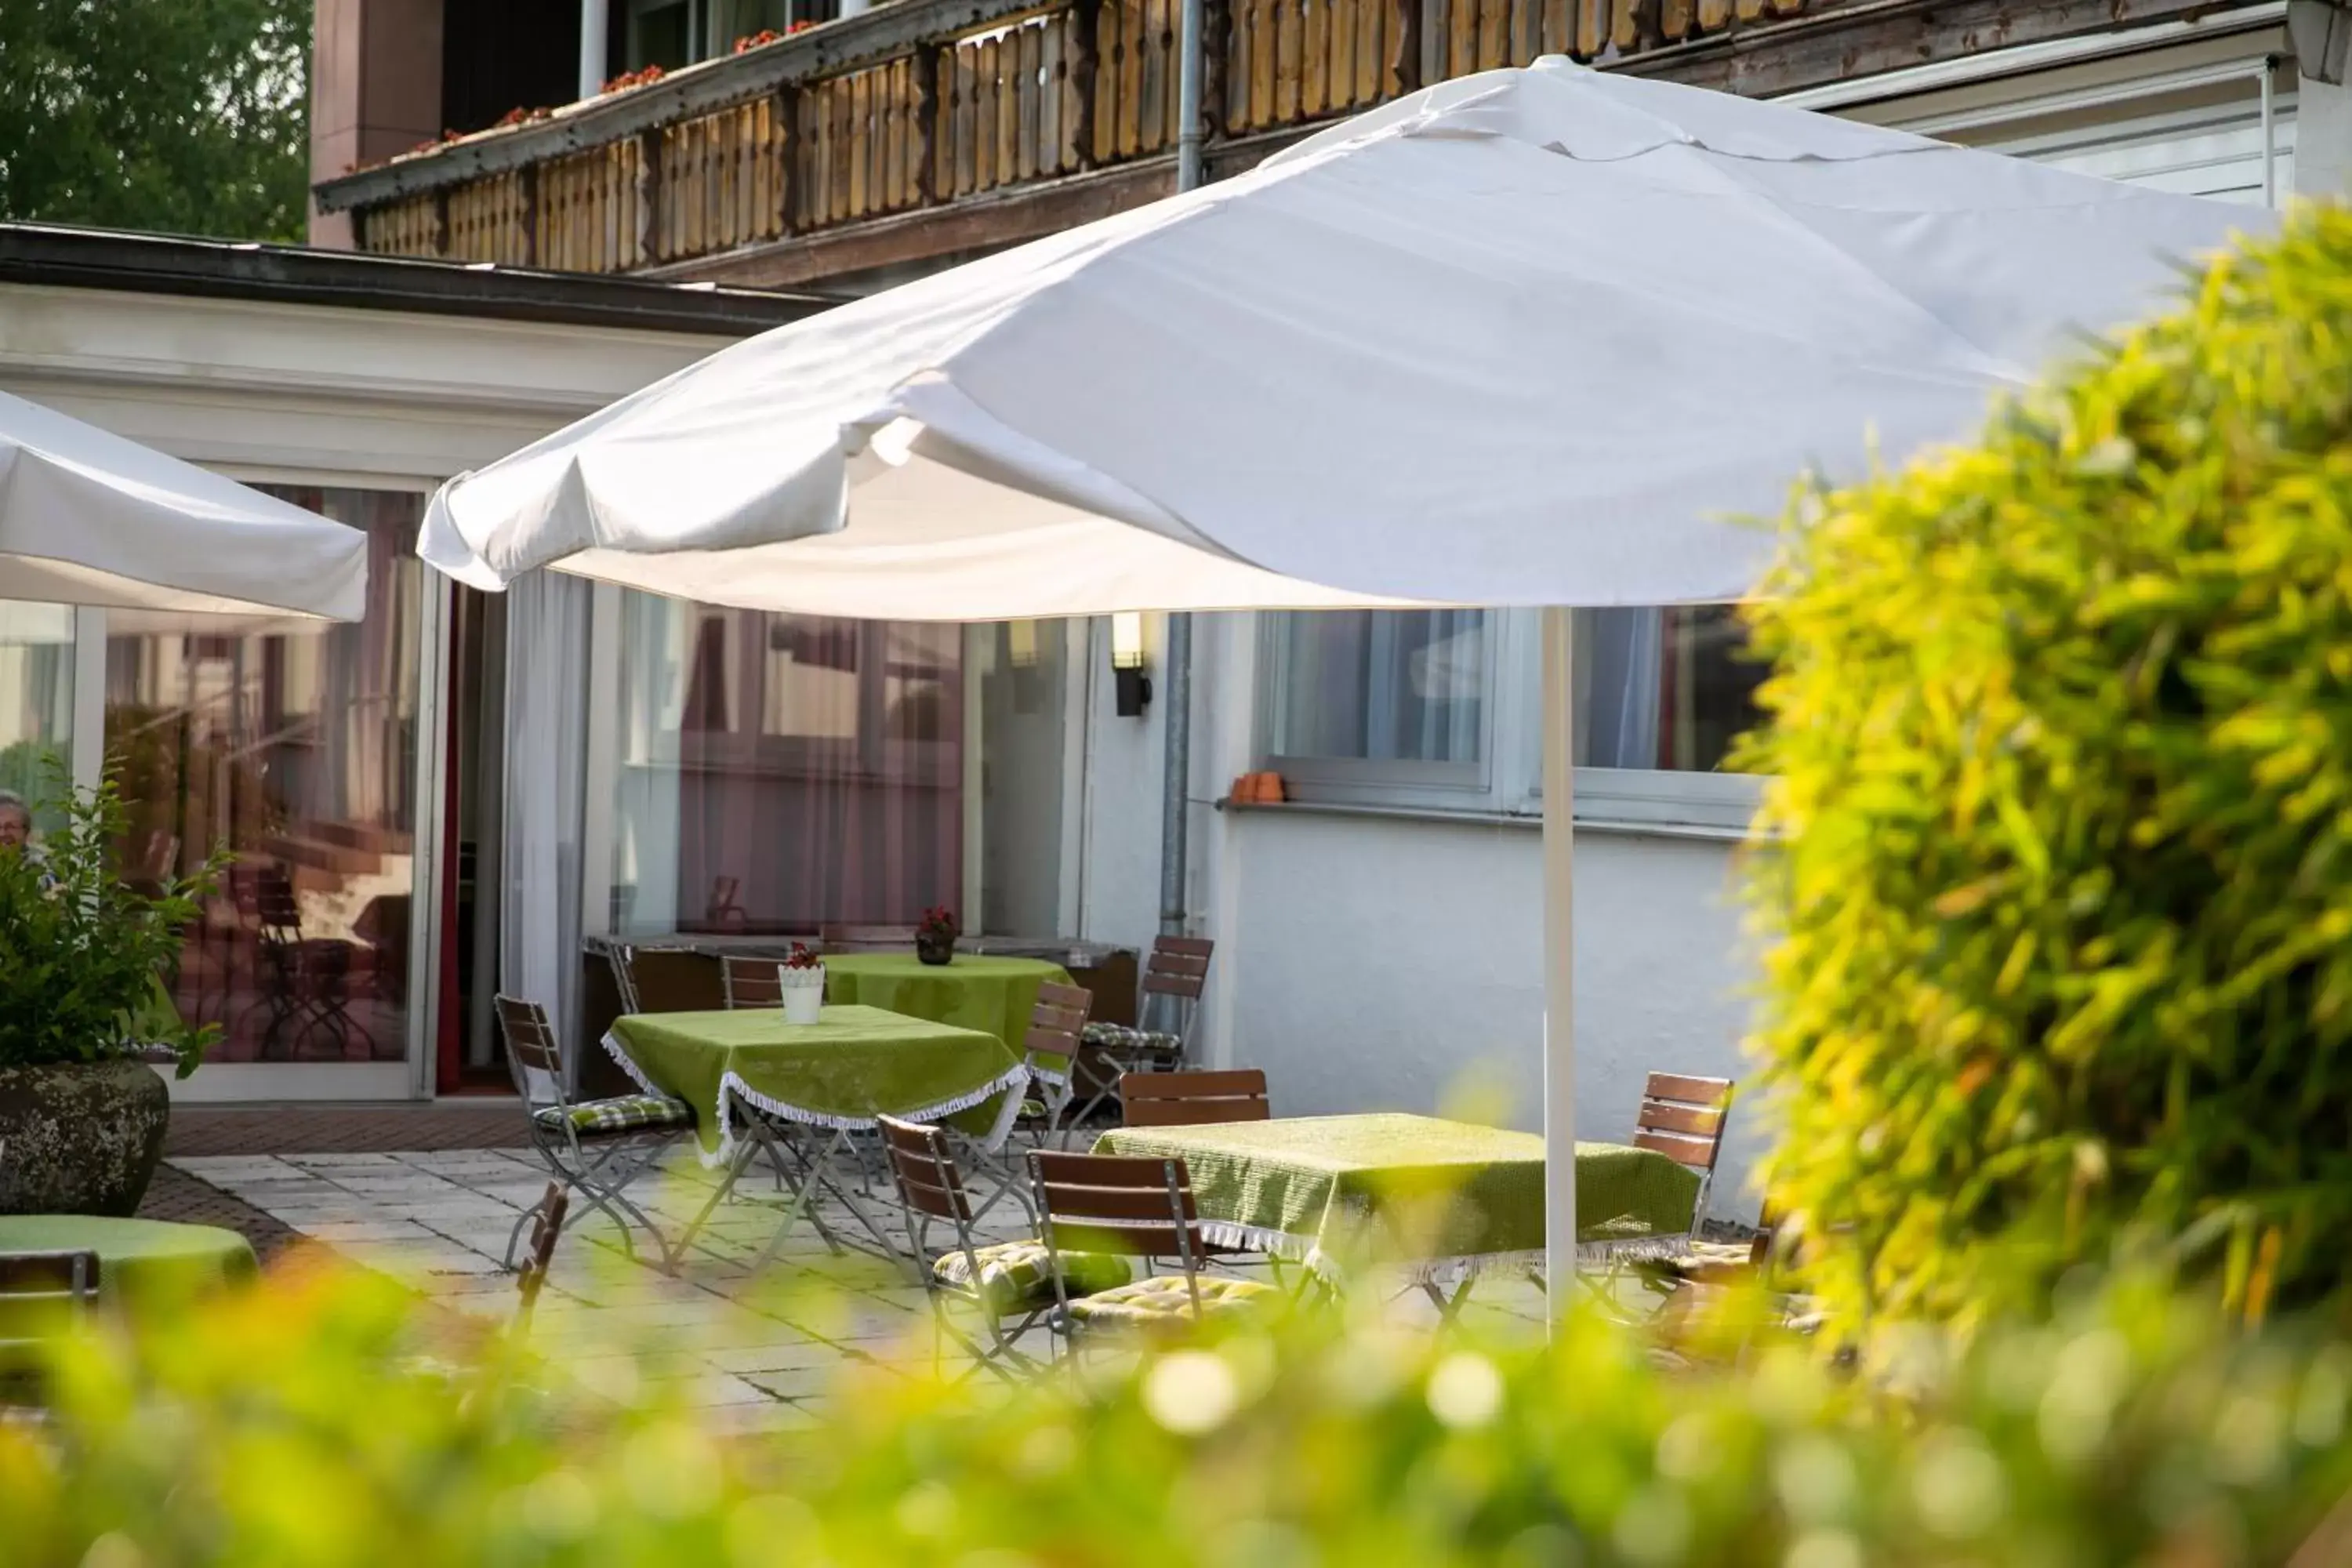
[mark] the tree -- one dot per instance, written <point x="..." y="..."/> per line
<point x="181" y="116"/>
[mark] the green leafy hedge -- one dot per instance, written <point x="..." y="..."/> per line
<point x="2061" y="723"/>
<point x="279" y="1428"/>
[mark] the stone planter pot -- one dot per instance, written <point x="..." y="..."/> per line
<point x="79" y="1138"/>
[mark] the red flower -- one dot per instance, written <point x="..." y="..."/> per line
<point x="804" y="957"/>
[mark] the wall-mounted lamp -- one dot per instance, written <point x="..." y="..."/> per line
<point x="1127" y="664"/>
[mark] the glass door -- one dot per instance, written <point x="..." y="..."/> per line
<point x="292" y="742"/>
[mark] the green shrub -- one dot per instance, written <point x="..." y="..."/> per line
<point x="81" y="951"/>
<point x="279" y="1428"/>
<point x="2061" y="923"/>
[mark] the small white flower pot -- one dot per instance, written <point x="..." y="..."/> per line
<point x="803" y="994"/>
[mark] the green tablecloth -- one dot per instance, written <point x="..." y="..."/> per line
<point x="995" y="996"/>
<point x="852" y="1063"/>
<point x="142" y="1264"/>
<point x="1334" y="1189"/>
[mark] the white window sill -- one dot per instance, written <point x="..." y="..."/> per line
<point x="1472" y="818"/>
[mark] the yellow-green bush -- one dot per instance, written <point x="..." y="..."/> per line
<point x="278" y="1429"/>
<point x="2061" y="723"/>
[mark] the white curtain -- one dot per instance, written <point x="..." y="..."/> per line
<point x="547" y="747"/>
<point x="1620" y="673"/>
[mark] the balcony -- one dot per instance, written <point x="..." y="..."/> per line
<point x="934" y="128"/>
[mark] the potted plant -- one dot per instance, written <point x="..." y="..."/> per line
<point x="802" y="976"/>
<point x="82" y="953"/>
<point x="935" y="939"/>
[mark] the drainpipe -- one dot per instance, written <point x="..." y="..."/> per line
<point x="596" y="21"/>
<point x="1176" y="685"/>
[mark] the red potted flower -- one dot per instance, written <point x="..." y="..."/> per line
<point x="935" y="938"/>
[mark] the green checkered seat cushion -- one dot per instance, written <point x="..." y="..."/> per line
<point x="1165" y="1299"/>
<point x="1015" y="1276"/>
<point x="622" y="1113"/>
<point x="1132" y="1041"/>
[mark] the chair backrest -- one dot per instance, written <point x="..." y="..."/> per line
<point x="1193" y="1098"/>
<point x="625" y="978"/>
<point x="1683" y="1117"/>
<point x="752" y="982"/>
<point x="44" y="1291"/>
<point x="1138" y="1205"/>
<point x="1178" y="967"/>
<point x="675" y="980"/>
<point x="533" y="1056"/>
<point x="867" y="939"/>
<point x="924" y="1167"/>
<point x="1055" y="1023"/>
<point x="278" y="910"/>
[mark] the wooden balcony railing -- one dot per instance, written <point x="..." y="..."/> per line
<point x="938" y="104"/>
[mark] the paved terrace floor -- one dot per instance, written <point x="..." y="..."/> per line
<point x="758" y="1350"/>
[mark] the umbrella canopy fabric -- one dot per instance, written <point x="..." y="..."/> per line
<point x="1532" y="337"/>
<point x="88" y="518"/>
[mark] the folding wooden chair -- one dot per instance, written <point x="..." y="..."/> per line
<point x="548" y="1217"/>
<point x="1193" y="1098"/>
<point x="1130" y="1207"/>
<point x="42" y="1296"/>
<point x="597" y="1146"/>
<point x="1049" y="1054"/>
<point x="1174" y="976"/>
<point x="1683" y="1118"/>
<point x="1008" y="1281"/>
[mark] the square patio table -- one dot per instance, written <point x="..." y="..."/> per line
<point x="835" y="1076"/>
<point x="1445" y="1199"/>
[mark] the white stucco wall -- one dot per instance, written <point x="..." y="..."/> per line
<point x="1372" y="963"/>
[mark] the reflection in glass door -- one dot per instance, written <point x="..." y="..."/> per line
<point x="294" y="742"/>
<point x="37" y="666"/>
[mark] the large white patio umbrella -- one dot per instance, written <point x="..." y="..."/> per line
<point x="1530" y="338"/>
<point x="88" y="518"/>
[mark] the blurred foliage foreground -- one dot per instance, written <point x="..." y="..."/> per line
<point x="294" y="1423"/>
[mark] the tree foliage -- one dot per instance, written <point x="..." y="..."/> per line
<point x="285" y="1425"/>
<point x="179" y="116"/>
<point x="2061" y="722"/>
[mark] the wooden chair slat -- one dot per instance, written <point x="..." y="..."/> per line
<point x="1695" y="1151"/>
<point x="1664" y="1118"/>
<point x="1087" y="1202"/>
<point x="1193" y="1112"/>
<point x="1707" y="1091"/>
<point x="1193" y="1098"/>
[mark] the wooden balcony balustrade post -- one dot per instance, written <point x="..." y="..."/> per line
<point x="527" y="213"/>
<point x="441" y="222"/>
<point x="786" y="109"/>
<point x="1216" y="59"/>
<point x="1086" y="67"/>
<point x="650" y="246"/>
<point x="1404" y="65"/>
<point x="923" y="135"/>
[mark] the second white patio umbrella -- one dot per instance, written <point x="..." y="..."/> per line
<point x="89" y="518"/>
<point x="1525" y="339"/>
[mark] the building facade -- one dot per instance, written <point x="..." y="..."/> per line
<point x="694" y="769"/>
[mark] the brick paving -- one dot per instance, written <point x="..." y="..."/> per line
<point x="206" y="1131"/>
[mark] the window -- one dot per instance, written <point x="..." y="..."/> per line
<point x="1440" y="709"/>
<point x="778" y="771"/>
<point x="1365" y="703"/>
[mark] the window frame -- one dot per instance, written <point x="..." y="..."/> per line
<point x="1367" y="781"/>
<point x="1507" y="782"/>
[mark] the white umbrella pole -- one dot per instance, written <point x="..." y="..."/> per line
<point x="1559" y="956"/>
